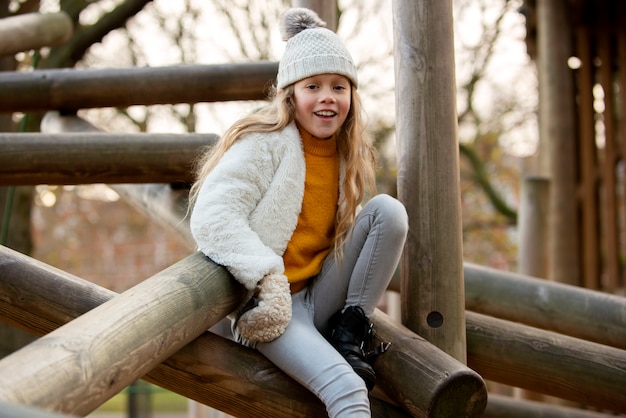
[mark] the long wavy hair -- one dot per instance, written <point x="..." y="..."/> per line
<point x="352" y="142"/>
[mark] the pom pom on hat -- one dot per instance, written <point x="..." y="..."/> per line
<point x="298" y="19"/>
<point x="311" y="49"/>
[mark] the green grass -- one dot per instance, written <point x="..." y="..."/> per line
<point x="162" y="400"/>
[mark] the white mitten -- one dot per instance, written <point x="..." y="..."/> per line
<point x="267" y="314"/>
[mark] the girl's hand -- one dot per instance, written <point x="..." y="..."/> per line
<point x="267" y="314"/>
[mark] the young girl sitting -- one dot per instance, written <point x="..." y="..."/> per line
<point x="277" y="203"/>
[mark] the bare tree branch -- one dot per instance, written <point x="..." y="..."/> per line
<point x="481" y="177"/>
<point x="85" y="36"/>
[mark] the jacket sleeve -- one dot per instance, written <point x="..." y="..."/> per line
<point x="220" y="218"/>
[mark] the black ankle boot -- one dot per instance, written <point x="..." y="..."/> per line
<point x="350" y="333"/>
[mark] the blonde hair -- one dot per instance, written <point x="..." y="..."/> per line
<point x="352" y="142"/>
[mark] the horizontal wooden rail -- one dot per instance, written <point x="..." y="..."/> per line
<point x="546" y="362"/>
<point x="570" y="310"/>
<point x="81" y="158"/>
<point x="33" y="31"/>
<point x="231" y="377"/>
<point x="72" y="89"/>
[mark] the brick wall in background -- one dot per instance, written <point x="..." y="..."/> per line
<point x="89" y="232"/>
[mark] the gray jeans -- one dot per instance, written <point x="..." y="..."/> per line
<point x="370" y="257"/>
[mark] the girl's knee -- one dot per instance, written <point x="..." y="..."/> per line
<point x="393" y="211"/>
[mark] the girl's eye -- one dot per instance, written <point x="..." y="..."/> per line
<point x="311" y="87"/>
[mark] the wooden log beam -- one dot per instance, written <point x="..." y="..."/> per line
<point x="458" y="391"/>
<point x="81" y="158"/>
<point x="570" y="310"/>
<point x="428" y="173"/>
<point x="72" y="89"/>
<point x="233" y="378"/>
<point x="77" y="367"/>
<point x="559" y="127"/>
<point x="532" y="226"/>
<point x="503" y="406"/>
<point x="546" y="362"/>
<point x="33" y="31"/>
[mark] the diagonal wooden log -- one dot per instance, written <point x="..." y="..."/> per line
<point x="33" y="31"/>
<point x="73" y="89"/>
<point x="212" y="370"/>
<point x="78" y="366"/>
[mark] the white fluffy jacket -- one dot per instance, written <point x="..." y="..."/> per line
<point x="248" y="206"/>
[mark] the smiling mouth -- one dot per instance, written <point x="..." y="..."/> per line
<point x="325" y="113"/>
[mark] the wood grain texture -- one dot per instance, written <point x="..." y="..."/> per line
<point x="428" y="173"/>
<point x="73" y="89"/>
<point x="83" y="363"/>
<point x="570" y="310"/>
<point x="546" y="362"/>
<point x="90" y="157"/>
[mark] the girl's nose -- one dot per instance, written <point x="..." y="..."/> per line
<point x="327" y="96"/>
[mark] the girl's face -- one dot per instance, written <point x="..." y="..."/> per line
<point x="322" y="103"/>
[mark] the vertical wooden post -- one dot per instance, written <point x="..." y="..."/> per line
<point x="608" y="198"/>
<point x="139" y="400"/>
<point x="532" y="243"/>
<point x="588" y="246"/>
<point x="621" y="111"/>
<point x="433" y="302"/>
<point x="532" y="227"/>
<point x="558" y="138"/>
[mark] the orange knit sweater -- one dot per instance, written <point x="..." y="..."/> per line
<point x="314" y="234"/>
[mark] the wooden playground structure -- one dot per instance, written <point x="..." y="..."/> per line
<point x="462" y="324"/>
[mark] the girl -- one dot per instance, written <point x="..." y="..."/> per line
<point x="276" y="203"/>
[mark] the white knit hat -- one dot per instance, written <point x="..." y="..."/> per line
<point x="311" y="49"/>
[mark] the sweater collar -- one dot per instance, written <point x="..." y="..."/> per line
<point x="316" y="146"/>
